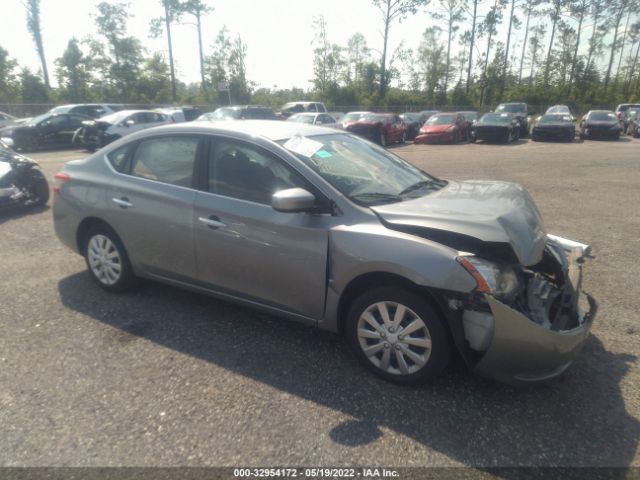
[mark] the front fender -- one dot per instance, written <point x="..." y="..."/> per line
<point x="356" y="250"/>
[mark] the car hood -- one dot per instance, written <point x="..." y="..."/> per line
<point x="436" y="128"/>
<point x="482" y="217"/>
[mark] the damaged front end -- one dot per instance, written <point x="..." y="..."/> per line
<point x="526" y="323"/>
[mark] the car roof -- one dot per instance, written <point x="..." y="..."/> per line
<point x="269" y="129"/>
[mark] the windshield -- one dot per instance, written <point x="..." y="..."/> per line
<point x="352" y="117"/>
<point x="301" y="118"/>
<point x="559" y="109"/>
<point x="554" y="119"/>
<point x="441" y="120"/>
<point x="410" y="117"/>
<point x="61" y="109"/>
<point x="224" y="113"/>
<point x="362" y="171"/>
<point x="603" y="117"/>
<point x="39" y="118"/>
<point x="632" y="114"/>
<point x="512" y="108"/>
<point x="495" y="118"/>
<point x="373" y="117"/>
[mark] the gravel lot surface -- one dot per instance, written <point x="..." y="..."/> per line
<point x="162" y="376"/>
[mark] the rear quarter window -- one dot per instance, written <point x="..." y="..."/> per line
<point x="118" y="158"/>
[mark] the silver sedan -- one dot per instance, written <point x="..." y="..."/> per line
<point x="322" y="227"/>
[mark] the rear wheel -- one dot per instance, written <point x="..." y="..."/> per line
<point x="107" y="259"/>
<point x="398" y="335"/>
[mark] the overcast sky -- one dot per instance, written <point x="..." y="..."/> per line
<point x="278" y="33"/>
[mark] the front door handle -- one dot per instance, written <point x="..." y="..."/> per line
<point x="212" y="222"/>
<point x="122" y="202"/>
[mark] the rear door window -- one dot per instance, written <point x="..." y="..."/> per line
<point x="168" y="159"/>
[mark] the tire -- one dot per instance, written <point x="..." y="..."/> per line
<point x="427" y="355"/>
<point x="382" y="139"/>
<point x="39" y="188"/>
<point x="112" y="273"/>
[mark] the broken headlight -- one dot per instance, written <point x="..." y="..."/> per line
<point x="500" y="281"/>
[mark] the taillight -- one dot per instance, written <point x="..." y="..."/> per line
<point x="60" y="178"/>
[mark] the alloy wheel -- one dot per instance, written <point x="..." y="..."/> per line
<point x="104" y="259"/>
<point x="394" y="338"/>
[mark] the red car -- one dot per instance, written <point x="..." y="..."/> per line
<point x="444" y="128"/>
<point x="382" y="128"/>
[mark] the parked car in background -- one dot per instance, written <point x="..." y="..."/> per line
<point x="290" y="108"/>
<point x="22" y="183"/>
<point x="621" y="113"/>
<point x="353" y="117"/>
<point x="97" y="133"/>
<point x="240" y="112"/>
<point x="45" y="131"/>
<point x="319" y="226"/>
<point x="444" y="128"/>
<point x="633" y="125"/>
<point x="600" y="124"/>
<point x="93" y="110"/>
<point x="322" y="119"/>
<point x="554" y="126"/>
<point x="519" y="111"/>
<point x="381" y="128"/>
<point x="413" y="122"/>
<point x="496" y="127"/>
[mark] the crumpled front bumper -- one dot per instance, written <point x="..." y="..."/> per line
<point x="522" y="351"/>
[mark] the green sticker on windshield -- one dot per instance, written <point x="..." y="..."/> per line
<point x="323" y="154"/>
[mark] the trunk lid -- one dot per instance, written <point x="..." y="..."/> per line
<point x="478" y="211"/>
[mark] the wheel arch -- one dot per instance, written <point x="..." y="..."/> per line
<point x="367" y="281"/>
<point x="85" y="226"/>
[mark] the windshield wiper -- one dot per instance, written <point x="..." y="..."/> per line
<point x="390" y="197"/>
<point x="419" y="185"/>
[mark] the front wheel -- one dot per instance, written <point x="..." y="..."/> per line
<point x="38" y="188"/>
<point x="107" y="259"/>
<point x="382" y="139"/>
<point x="398" y="335"/>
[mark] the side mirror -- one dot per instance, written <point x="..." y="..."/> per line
<point x="293" y="200"/>
<point x="128" y="123"/>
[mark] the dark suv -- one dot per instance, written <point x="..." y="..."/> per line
<point x="520" y="112"/>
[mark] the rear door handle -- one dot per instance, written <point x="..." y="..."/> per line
<point x="122" y="202"/>
<point x="212" y="222"/>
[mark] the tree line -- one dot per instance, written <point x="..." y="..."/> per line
<point x="476" y="52"/>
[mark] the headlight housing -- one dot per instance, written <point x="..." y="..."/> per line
<point x="500" y="281"/>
